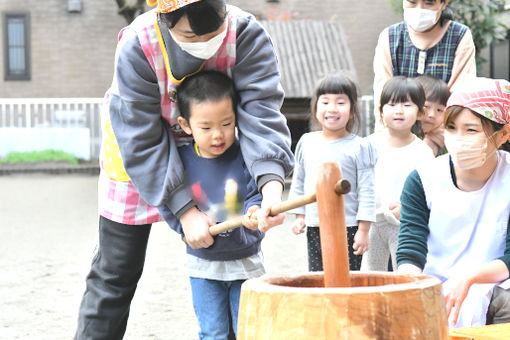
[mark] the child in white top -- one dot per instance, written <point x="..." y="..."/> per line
<point x="334" y="107"/>
<point x="399" y="152"/>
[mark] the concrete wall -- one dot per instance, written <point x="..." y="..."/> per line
<point x="362" y="20"/>
<point x="71" y="53"/>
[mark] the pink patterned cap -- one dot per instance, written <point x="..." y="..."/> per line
<point x="167" y="6"/>
<point x="487" y="97"/>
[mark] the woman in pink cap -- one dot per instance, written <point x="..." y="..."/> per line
<point x="140" y="166"/>
<point x="455" y="214"/>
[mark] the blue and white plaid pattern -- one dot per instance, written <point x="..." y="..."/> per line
<point x="439" y="59"/>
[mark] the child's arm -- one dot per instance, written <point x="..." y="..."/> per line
<point x="298" y="227"/>
<point x="435" y="139"/>
<point x="395" y="209"/>
<point x="297" y="188"/>
<point x="252" y="202"/>
<point x="365" y="163"/>
<point x="361" y="239"/>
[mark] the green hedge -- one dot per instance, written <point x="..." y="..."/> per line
<point x="39" y="156"/>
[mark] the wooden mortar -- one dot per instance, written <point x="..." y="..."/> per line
<point x="378" y="305"/>
<point x="336" y="303"/>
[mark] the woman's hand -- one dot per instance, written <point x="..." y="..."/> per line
<point x="271" y="194"/>
<point x="455" y="291"/>
<point x="361" y="239"/>
<point x="195" y="225"/>
<point x="456" y="288"/>
<point x="298" y="227"/>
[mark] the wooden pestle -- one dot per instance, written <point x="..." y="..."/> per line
<point x="335" y="257"/>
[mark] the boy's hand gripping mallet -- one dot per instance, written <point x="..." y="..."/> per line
<point x="341" y="187"/>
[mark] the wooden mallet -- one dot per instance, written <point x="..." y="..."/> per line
<point x="330" y="188"/>
<point x="341" y="187"/>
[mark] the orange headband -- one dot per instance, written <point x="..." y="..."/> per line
<point x="167" y="6"/>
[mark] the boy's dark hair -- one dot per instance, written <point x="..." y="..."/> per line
<point x="202" y="87"/>
<point x="337" y="83"/>
<point x="204" y="16"/>
<point x="400" y="89"/>
<point x="436" y="90"/>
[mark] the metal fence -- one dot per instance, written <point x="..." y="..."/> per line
<point x="85" y="112"/>
<point x="366" y="112"/>
<point x="54" y="113"/>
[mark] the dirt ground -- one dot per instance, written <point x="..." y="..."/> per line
<point x="49" y="231"/>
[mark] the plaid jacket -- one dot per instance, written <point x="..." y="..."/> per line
<point x="439" y="59"/>
<point x="119" y="200"/>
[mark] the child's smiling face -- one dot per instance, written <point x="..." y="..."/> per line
<point x="212" y="124"/>
<point x="333" y="112"/>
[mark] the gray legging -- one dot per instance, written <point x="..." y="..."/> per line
<point x="383" y="244"/>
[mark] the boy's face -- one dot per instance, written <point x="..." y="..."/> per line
<point x="433" y="117"/>
<point x="212" y="125"/>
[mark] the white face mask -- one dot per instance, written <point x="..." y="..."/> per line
<point x="202" y="49"/>
<point x="467" y="152"/>
<point x="420" y="19"/>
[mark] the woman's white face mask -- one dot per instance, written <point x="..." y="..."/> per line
<point x="467" y="152"/>
<point x="420" y="19"/>
<point x="202" y="49"/>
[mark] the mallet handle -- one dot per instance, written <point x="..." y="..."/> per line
<point x="341" y="187"/>
<point x="237" y="221"/>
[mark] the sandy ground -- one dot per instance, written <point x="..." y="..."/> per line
<point x="49" y="231"/>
